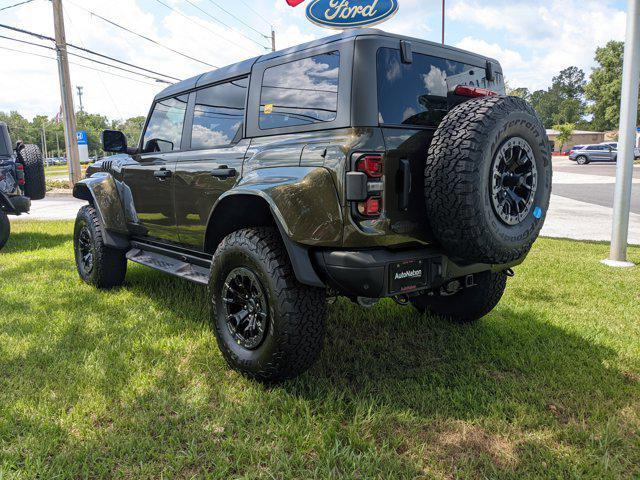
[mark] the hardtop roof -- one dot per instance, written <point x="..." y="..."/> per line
<point x="244" y="67"/>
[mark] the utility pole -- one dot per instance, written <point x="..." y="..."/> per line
<point x="443" y="10"/>
<point x="71" y="140"/>
<point x="44" y="141"/>
<point x="626" y="139"/>
<point x="80" y="97"/>
<point x="273" y="40"/>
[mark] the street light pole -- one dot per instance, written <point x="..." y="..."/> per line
<point x="71" y="140"/>
<point x="626" y="138"/>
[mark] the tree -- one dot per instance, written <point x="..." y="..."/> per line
<point x="605" y="86"/>
<point x="521" y="92"/>
<point x="563" y="102"/>
<point x="565" y="131"/>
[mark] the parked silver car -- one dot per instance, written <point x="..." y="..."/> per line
<point x="594" y="153"/>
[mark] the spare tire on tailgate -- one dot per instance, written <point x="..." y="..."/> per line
<point x="488" y="180"/>
<point x="30" y="157"/>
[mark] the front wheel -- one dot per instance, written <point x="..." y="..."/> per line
<point x="98" y="265"/>
<point x="582" y="160"/>
<point x="469" y="304"/>
<point x="269" y="326"/>
<point x="5" y="229"/>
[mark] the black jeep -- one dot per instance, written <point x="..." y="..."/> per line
<point x="21" y="180"/>
<point x="365" y="164"/>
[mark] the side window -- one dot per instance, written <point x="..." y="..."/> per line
<point x="164" y="130"/>
<point x="301" y="92"/>
<point x="218" y="115"/>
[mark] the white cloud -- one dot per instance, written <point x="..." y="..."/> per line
<point x="549" y="36"/>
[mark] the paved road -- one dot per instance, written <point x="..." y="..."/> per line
<point x="53" y="208"/>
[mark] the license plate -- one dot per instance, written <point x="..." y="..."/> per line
<point x="407" y="276"/>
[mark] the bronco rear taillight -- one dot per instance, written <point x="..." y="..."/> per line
<point x="372" y="165"/>
<point x="372" y="207"/>
<point x="467" y="91"/>
<point x="20" y="174"/>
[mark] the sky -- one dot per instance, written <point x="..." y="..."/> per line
<point x="532" y="40"/>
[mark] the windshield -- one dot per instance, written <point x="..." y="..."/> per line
<point x="416" y="93"/>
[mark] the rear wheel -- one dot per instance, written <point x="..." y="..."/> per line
<point x="488" y="180"/>
<point x="35" y="186"/>
<point x="269" y="326"/>
<point x="5" y="229"/>
<point x="582" y="160"/>
<point x="467" y="305"/>
<point x="98" y="265"/>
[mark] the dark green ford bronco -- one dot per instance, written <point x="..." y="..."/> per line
<point x="366" y="165"/>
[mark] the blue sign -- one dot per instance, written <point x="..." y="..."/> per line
<point x="343" y="14"/>
<point x="82" y="137"/>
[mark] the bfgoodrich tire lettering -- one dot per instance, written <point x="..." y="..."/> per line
<point x="98" y="265"/>
<point x="296" y="313"/>
<point x="5" y="229"/>
<point x="458" y="174"/>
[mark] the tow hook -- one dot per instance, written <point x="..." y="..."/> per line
<point x="509" y="272"/>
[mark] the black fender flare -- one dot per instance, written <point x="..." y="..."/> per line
<point x="101" y="191"/>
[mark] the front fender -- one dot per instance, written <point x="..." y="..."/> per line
<point x="304" y="200"/>
<point x="101" y="190"/>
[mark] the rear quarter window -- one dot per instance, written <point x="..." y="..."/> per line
<point x="301" y="92"/>
<point x="416" y="93"/>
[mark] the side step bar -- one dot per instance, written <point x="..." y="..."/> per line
<point x="191" y="268"/>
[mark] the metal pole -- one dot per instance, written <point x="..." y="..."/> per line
<point x="443" y="10"/>
<point x="626" y="138"/>
<point x="44" y="142"/>
<point x="71" y="140"/>
<point x="273" y="40"/>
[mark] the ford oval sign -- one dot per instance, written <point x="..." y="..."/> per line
<point x="343" y="14"/>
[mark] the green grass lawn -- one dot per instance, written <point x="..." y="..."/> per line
<point x="130" y="383"/>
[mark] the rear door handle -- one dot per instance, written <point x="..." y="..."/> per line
<point x="162" y="174"/>
<point x="224" y="172"/>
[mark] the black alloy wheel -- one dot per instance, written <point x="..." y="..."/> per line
<point x="514" y="180"/>
<point x="86" y="250"/>
<point x="246" y="308"/>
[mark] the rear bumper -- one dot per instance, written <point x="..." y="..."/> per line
<point x="15" y="204"/>
<point x="381" y="273"/>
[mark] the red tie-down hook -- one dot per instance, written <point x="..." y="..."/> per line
<point x="294" y="3"/>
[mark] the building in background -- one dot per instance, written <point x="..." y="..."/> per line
<point x="579" y="137"/>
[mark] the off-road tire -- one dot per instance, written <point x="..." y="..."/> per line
<point x="5" y="229"/>
<point x="582" y="160"/>
<point x="458" y="173"/>
<point x="296" y="313"/>
<point x="469" y="304"/>
<point x="109" y="265"/>
<point x="35" y="186"/>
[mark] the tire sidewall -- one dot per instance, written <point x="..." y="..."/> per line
<point x="226" y="260"/>
<point x="516" y="124"/>
<point x="5" y="229"/>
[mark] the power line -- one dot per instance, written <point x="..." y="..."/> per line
<point x="111" y="22"/>
<point x="196" y="23"/>
<point x="78" y="65"/>
<point x="16" y="5"/>
<point x="224" y="24"/>
<point x="157" y="79"/>
<point x="238" y="19"/>
<point x="260" y="15"/>
<point x="92" y="52"/>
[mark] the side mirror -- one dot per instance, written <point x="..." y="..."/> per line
<point x="114" y="141"/>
